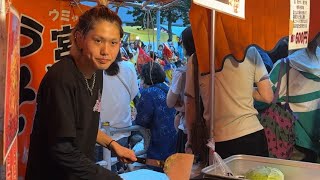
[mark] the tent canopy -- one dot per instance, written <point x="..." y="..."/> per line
<point x="137" y="3"/>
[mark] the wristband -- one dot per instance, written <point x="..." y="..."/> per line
<point x="108" y="146"/>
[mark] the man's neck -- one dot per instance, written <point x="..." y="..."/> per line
<point x="84" y="68"/>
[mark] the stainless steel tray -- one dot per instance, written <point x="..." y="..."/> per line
<point x="292" y="170"/>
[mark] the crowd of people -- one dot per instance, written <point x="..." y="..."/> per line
<point x="105" y="80"/>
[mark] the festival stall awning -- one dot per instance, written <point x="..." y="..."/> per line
<point x="137" y="3"/>
<point x="265" y="24"/>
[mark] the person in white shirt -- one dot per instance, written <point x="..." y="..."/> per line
<point x="120" y="86"/>
<point x="237" y="129"/>
<point x="175" y="98"/>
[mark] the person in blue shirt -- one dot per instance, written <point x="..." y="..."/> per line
<point x="154" y="114"/>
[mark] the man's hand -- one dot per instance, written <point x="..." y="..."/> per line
<point x="124" y="154"/>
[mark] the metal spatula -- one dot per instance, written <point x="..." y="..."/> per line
<point x="177" y="166"/>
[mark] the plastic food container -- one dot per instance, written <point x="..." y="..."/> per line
<point x="292" y="170"/>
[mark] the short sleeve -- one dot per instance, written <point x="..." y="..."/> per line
<point x="274" y="74"/>
<point x="261" y="72"/>
<point x="134" y="81"/>
<point x="176" y="82"/>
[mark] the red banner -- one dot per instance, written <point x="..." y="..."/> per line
<point x="10" y="123"/>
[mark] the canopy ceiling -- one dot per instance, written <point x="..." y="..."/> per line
<point x="134" y="2"/>
<point x="155" y="1"/>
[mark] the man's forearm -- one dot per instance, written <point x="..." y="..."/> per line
<point x="70" y="158"/>
<point x="103" y="139"/>
<point x="124" y="154"/>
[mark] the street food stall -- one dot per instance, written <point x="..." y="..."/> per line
<point x="264" y="24"/>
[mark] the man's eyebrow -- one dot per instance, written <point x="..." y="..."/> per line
<point x="115" y="39"/>
<point x="106" y="38"/>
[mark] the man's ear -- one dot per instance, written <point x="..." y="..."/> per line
<point x="78" y="36"/>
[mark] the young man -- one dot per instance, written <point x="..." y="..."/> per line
<point x="65" y="128"/>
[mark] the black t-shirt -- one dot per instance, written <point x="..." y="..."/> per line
<point x="65" y="127"/>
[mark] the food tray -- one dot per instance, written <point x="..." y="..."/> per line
<point x="292" y="170"/>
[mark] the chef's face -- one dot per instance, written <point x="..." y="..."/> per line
<point x="101" y="45"/>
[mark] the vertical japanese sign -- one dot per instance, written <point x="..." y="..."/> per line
<point x="10" y="123"/>
<point x="231" y="7"/>
<point x="45" y="31"/>
<point x="12" y="162"/>
<point x="299" y="24"/>
<point x="3" y="58"/>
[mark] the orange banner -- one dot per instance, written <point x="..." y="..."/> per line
<point x="45" y="29"/>
<point x="10" y="123"/>
<point x="3" y="60"/>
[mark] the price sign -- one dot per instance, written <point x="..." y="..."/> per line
<point x="299" y="24"/>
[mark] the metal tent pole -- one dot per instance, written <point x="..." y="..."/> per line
<point x="158" y="29"/>
<point x="212" y="70"/>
